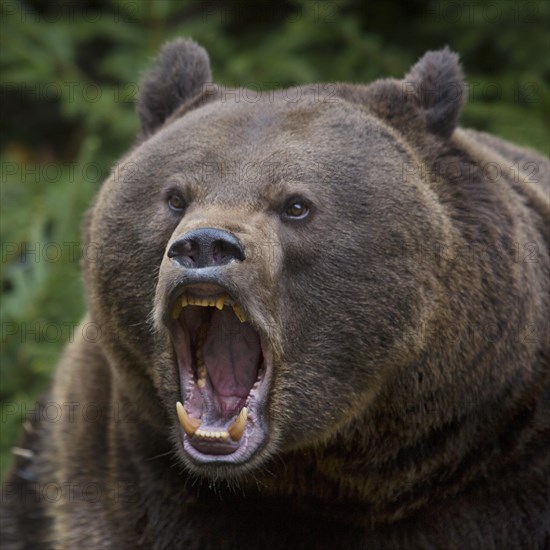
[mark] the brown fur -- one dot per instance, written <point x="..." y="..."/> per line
<point x="407" y="319"/>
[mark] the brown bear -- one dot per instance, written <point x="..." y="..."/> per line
<point x="318" y="318"/>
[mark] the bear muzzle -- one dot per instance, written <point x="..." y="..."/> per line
<point x="223" y="362"/>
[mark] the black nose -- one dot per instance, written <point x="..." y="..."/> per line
<point x="206" y="247"/>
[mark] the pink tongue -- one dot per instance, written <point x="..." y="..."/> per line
<point x="232" y="354"/>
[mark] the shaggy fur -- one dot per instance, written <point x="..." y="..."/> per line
<point x="406" y="319"/>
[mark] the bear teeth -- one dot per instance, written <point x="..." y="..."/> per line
<point x="204" y="434"/>
<point x="191" y="426"/>
<point x="236" y="429"/>
<point x="239" y="313"/>
<point x="218" y="303"/>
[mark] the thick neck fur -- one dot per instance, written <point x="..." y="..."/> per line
<point x="382" y="471"/>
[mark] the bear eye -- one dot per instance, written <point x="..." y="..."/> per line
<point x="176" y="203"/>
<point x="296" y="208"/>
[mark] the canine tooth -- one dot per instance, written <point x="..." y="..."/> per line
<point x="189" y="424"/>
<point x="239" y="313"/>
<point x="184" y="301"/>
<point x="219" y="302"/>
<point x="236" y="429"/>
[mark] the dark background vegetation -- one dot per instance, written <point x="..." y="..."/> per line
<point x="69" y="81"/>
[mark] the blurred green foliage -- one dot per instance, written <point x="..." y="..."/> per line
<point x="69" y="82"/>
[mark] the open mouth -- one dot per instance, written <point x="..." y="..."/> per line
<point x="223" y="369"/>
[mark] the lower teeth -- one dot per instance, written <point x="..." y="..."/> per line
<point x="212" y="435"/>
<point x="191" y="426"/>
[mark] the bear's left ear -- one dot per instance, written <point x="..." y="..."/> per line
<point x="180" y="72"/>
<point x="437" y="85"/>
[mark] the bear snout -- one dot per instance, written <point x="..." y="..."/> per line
<point x="206" y="247"/>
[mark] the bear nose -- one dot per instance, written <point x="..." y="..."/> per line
<point x="206" y="247"/>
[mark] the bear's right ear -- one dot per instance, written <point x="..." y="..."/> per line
<point x="179" y="74"/>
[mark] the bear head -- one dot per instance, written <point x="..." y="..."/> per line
<point x="255" y="286"/>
